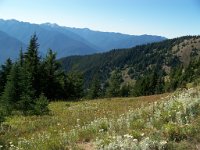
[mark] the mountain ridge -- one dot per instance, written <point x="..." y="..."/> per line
<point x="163" y="59"/>
<point x="10" y="47"/>
<point x="66" y="41"/>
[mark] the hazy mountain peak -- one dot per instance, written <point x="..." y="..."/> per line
<point x="50" y="24"/>
<point x="68" y="41"/>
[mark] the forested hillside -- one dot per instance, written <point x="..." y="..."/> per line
<point x="144" y="70"/>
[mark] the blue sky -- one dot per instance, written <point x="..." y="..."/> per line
<point x="170" y="18"/>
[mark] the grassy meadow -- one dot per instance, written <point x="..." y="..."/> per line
<point x="167" y="121"/>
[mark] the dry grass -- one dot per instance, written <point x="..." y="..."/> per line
<point x="65" y="116"/>
<point x="184" y="49"/>
<point x="143" y="123"/>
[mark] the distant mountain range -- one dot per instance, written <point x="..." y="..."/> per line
<point x="9" y="46"/>
<point x="66" y="41"/>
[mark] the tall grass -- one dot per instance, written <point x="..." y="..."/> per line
<point x="153" y="122"/>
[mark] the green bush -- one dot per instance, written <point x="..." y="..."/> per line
<point x="41" y="106"/>
<point x="174" y="132"/>
<point x="136" y="134"/>
<point x="2" y="144"/>
<point x="183" y="145"/>
<point x="25" y="104"/>
<point x="137" y="124"/>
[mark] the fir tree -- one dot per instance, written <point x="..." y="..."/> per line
<point x="95" y="90"/>
<point x="32" y="62"/>
<point x="41" y="105"/>
<point x="74" y="85"/>
<point x="125" y="90"/>
<point x="27" y="95"/>
<point x="113" y="89"/>
<point x="4" y="72"/>
<point x="11" y="94"/>
<point x="52" y="76"/>
<point x="18" y="86"/>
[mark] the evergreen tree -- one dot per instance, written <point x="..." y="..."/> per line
<point x="27" y="95"/>
<point x="114" y="83"/>
<point x="74" y="85"/>
<point x="41" y="105"/>
<point x="18" y="93"/>
<point x="11" y="94"/>
<point x="175" y="78"/>
<point x="125" y="90"/>
<point x="32" y="62"/>
<point x="160" y="83"/>
<point x="95" y="90"/>
<point x="140" y="86"/>
<point x="52" y="76"/>
<point x="4" y="72"/>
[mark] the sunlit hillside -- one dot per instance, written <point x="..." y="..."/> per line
<point x="168" y="121"/>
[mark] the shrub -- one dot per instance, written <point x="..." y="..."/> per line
<point x="41" y="106"/>
<point x="174" y="132"/>
<point x="2" y="143"/>
<point x="136" y="134"/>
<point x="25" y="104"/>
<point x="183" y="145"/>
<point x="137" y="124"/>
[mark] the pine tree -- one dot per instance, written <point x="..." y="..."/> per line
<point x="27" y="93"/>
<point x="4" y="72"/>
<point x="41" y="105"/>
<point x="11" y="94"/>
<point x="32" y="63"/>
<point x="95" y="90"/>
<point x="113" y="89"/>
<point x="18" y="93"/>
<point x="52" y="76"/>
<point x="74" y="85"/>
<point x="125" y="90"/>
<point x="22" y="86"/>
<point x="141" y="86"/>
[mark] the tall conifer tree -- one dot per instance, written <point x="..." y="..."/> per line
<point x="32" y="63"/>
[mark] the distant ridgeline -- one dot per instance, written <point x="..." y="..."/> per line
<point x="65" y="41"/>
<point x="141" y="70"/>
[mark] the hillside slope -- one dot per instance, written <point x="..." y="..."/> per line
<point x="162" y="57"/>
<point x="168" y="122"/>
